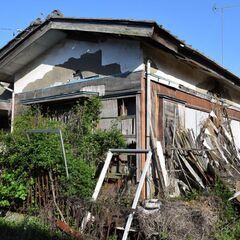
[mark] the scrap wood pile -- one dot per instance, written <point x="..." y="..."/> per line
<point x="195" y="162"/>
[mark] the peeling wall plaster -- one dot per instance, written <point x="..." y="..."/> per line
<point x="57" y="66"/>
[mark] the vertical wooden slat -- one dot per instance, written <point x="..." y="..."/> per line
<point x="43" y="190"/>
<point x="39" y="191"/>
<point x="36" y="192"/>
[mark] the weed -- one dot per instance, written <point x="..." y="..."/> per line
<point x="28" y="229"/>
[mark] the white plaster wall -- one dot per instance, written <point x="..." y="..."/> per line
<point x="194" y="119"/>
<point x="126" y="53"/>
<point x="235" y="126"/>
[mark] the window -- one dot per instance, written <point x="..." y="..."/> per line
<point x="173" y="113"/>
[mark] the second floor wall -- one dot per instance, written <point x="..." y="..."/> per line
<point x="73" y="60"/>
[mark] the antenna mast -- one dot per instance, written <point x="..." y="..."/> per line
<point x="221" y="9"/>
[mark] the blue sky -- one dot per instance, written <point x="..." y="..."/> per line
<point x="191" y="20"/>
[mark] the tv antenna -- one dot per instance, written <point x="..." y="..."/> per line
<point x="221" y="9"/>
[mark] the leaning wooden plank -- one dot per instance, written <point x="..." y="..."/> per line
<point x="87" y="217"/>
<point x="193" y="173"/>
<point x="156" y="162"/>
<point x="231" y="132"/>
<point x="162" y="163"/>
<point x="137" y="195"/>
<point x="102" y="175"/>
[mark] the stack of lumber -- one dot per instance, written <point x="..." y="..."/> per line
<point x="195" y="162"/>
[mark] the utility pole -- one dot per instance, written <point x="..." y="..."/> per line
<point x="221" y="9"/>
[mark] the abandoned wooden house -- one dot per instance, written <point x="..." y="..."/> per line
<point x="146" y="77"/>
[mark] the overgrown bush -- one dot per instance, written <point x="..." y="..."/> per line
<point x="90" y="143"/>
<point x="23" y="157"/>
<point x="228" y="211"/>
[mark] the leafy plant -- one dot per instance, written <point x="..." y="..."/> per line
<point x="227" y="208"/>
<point x="24" y="157"/>
<point x="12" y="188"/>
<point x="90" y="143"/>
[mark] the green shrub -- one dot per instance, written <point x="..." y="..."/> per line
<point x="23" y="158"/>
<point x="228" y="212"/>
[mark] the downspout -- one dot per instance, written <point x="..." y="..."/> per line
<point x="148" y="103"/>
<point x="13" y="102"/>
<point x="148" y="118"/>
<point x="13" y="106"/>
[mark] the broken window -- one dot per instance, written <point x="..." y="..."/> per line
<point x="120" y="112"/>
<point x="59" y="110"/>
<point x="4" y="120"/>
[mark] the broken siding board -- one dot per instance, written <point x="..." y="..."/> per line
<point x="128" y="126"/>
<point x="107" y="123"/>
<point x="109" y="108"/>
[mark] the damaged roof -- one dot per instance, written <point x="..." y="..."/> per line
<point x="41" y="35"/>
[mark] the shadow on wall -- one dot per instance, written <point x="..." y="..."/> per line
<point x="216" y="88"/>
<point x="88" y="65"/>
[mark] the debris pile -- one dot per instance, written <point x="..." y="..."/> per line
<point x="180" y="220"/>
<point x="195" y="162"/>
